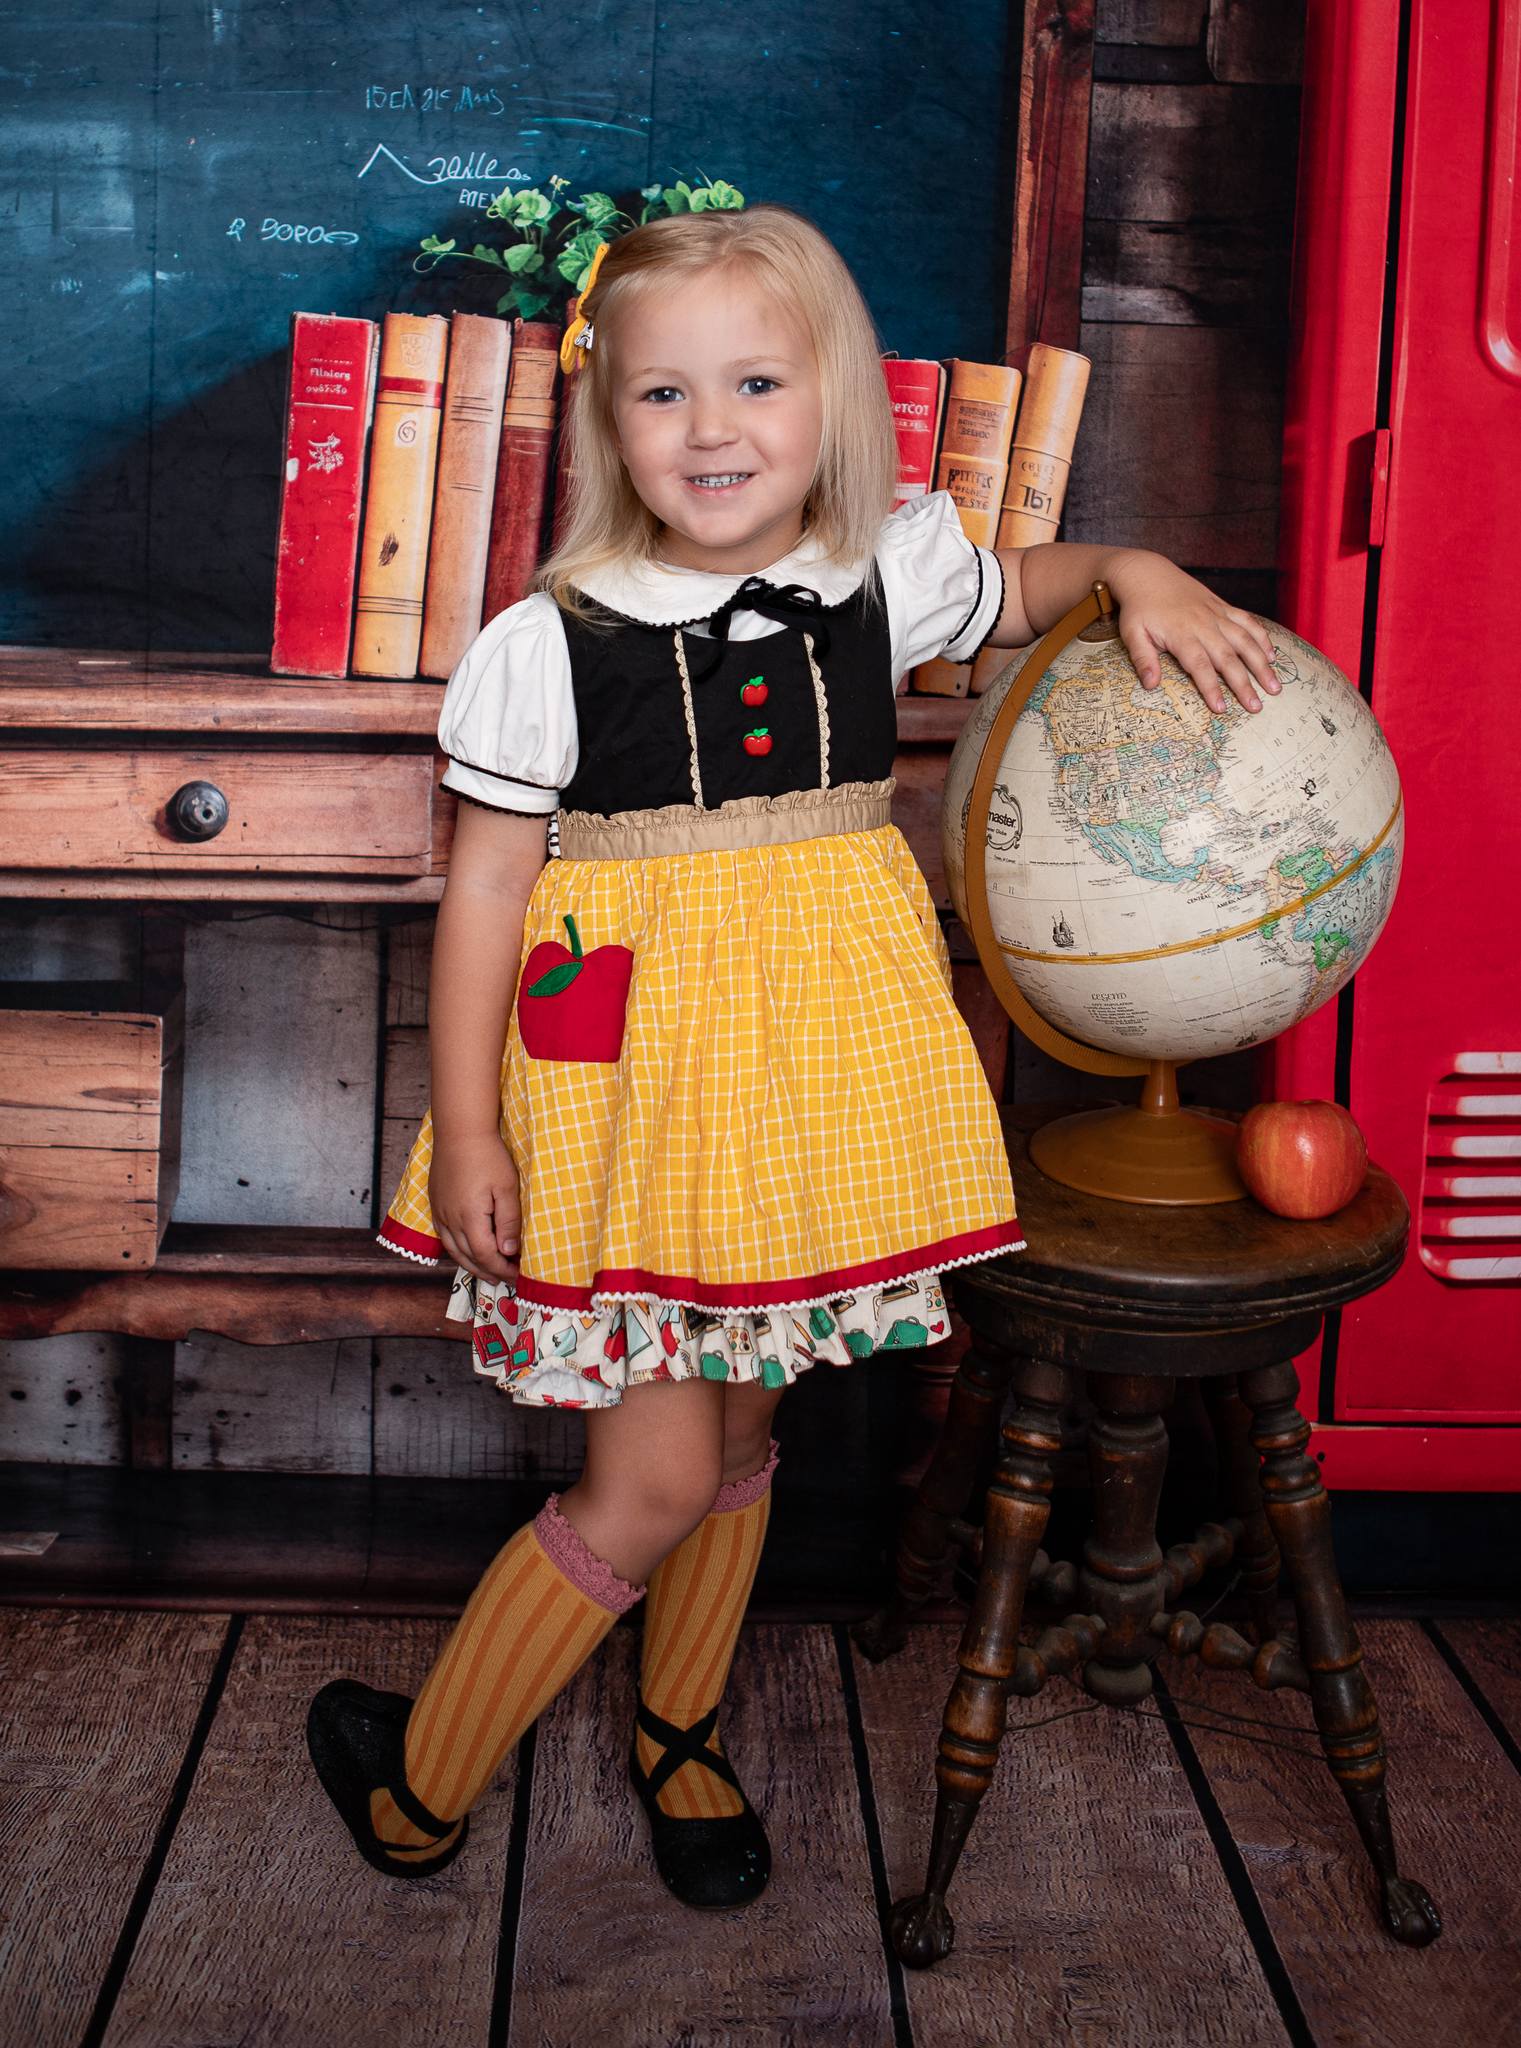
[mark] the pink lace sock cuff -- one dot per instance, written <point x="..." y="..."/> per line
<point x="565" y="1547"/>
<point x="740" y="1493"/>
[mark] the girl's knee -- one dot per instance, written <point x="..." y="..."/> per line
<point x="679" y="1501"/>
<point x="668" y="1503"/>
<point x="747" y="1431"/>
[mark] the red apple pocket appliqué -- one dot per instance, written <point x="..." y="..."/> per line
<point x="572" y="1005"/>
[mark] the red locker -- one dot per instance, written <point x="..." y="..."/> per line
<point x="1398" y="556"/>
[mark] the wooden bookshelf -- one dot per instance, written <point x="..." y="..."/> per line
<point x="257" y="1284"/>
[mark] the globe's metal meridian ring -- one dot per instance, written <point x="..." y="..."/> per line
<point x="1095" y="610"/>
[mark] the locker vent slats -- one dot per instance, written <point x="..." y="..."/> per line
<point x="1470" y="1220"/>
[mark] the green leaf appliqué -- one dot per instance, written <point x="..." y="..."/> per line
<point x="560" y="977"/>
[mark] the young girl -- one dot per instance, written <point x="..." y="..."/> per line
<point x="739" y="1127"/>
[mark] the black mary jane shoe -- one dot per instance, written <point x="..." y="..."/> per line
<point x="710" y="1864"/>
<point x="357" y="1740"/>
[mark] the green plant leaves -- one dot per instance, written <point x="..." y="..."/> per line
<point x="718" y="197"/>
<point x="574" y="261"/>
<point x="544" y="276"/>
<point x="524" y="305"/>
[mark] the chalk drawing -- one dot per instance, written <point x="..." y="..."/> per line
<point x="446" y="170"/>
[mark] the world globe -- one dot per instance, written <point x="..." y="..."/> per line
<point x="1150" y="882"/>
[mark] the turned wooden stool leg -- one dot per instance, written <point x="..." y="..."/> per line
<point x="1346" y="1715"/>
<point x="1122" y="1578"/>
<point x="1018" y="1507"/>
<point x="1241" y="1474"/>
<point x="924" y="1543"/>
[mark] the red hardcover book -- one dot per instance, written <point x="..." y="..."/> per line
<point x="917" y="390"/>
<point x="329" y="402"/>
<point x="522" y="471"/>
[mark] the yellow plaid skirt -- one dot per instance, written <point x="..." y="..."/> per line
<point x="734" y="1080"/>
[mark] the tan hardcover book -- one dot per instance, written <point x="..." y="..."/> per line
<point x="1040" y="464"/>
<point x="974" y="463"/>
<point x="480" y="349"/>
<point x="398" y="511"/>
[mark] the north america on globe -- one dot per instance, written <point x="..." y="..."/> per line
<point x="1184" y="882"/>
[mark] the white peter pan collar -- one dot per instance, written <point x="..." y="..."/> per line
<point x="669" y="594"/>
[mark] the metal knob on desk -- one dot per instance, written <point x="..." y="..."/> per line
<point x="198" y="810"/>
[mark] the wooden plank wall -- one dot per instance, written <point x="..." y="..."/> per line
<point x="306" y="1061"/>
<point x="1187" y="240"/>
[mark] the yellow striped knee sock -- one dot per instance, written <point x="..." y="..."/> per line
<point x="696" y="1600"/>
<point x="542" y="1607"/>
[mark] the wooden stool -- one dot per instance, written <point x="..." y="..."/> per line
<point x="1137" y="1297"/>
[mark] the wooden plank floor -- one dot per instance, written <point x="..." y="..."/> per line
<point x="172" y="1874"/>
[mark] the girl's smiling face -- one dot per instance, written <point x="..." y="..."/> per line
<point x="715" y="379"/>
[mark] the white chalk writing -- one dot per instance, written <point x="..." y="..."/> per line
<point x="272" y="230"/>
<point x="448" y="170"/>
<point x="433" y="99"/>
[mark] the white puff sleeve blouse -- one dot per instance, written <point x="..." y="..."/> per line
<point x="508" y="720"/>
<point x="944" y="592"/>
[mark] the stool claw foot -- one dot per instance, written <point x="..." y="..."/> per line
<point x="922" y="1930"/>
<point x="880" y="1635"/>
<point x="1409" y="1913"/>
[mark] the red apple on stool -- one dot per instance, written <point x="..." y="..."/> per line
<point x="1301" y="1159"/>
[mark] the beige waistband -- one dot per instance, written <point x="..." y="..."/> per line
<point x="738" y="821"/>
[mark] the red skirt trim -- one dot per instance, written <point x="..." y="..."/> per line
<point x="403" y="1239"/>
<point x="745" y="1294"/>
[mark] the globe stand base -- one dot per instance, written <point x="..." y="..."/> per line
<point x="1155" y="1153"/>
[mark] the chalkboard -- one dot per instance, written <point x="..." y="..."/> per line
<point x="178" y="183"/>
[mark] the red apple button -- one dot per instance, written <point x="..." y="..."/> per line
<point x="758" y="741"/>
<point x="573" y="1006"/>
<point x="754" y="692"/>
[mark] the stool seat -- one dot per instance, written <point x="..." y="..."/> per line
<point x="1125" y="1299"/>
<point x="1133" y="1264"/>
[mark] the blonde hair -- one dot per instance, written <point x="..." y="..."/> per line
<point x="855" y="477"/>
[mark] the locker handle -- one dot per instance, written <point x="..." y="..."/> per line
<point x="1378" y="485"/>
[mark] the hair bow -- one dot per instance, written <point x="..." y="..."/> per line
<point x="578" y="335"/>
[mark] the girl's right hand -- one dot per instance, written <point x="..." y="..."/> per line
<point x="473" y="1193"/>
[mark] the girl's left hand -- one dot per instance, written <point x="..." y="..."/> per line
<point x="1163" y="608"/>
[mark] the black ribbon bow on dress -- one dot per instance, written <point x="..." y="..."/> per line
<point x="794" y="604"/>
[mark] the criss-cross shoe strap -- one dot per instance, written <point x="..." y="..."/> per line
<point x="682" y="1746"/>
